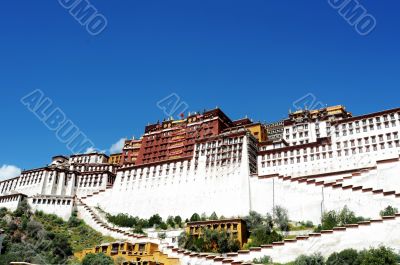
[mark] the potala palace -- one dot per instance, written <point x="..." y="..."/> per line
<point x="310" y="162"/>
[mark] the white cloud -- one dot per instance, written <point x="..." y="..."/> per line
<point x="94" y="150"/>
<point x="117" y="147"/>
<point x="9" y="171"/>
<point x="90" y="150"/>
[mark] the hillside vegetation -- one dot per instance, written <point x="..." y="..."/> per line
<point x="43" y="238"/>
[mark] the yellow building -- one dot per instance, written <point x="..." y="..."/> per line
<point x="145" y="253"/>
<point x="115" y="159"/>
<point x="259" y="131"/>
<point x="235" y="227"/>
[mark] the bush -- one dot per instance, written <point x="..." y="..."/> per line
<point x="315" y="259"/>
<point x="97" y="259"/>
<point x="263" y="260"/>
<point x="378" y="256"/>
<point x="122" y="220"/>
<point x="347" y="256"/>
<point x="73" y="221"/>
<point x="389" y="211"/>
<point x="3" y="212"/>
<point x="342" y="217"/>
<point x="23" y="209"/>
<point x="263" y="234"/>
<point x="210" y="241"/>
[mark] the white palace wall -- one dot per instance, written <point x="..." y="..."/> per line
<point x="307" y="202"/>
<point x="201" y="189"/>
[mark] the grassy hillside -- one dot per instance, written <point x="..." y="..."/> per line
<point x="42" y="238"/>
<point x="79" y="234"/>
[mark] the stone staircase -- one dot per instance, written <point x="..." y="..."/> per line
<point x="92" y="218"/>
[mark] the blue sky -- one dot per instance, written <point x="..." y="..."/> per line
<point x="250" y="58"/>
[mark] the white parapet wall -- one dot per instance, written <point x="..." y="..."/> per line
<point x="11" y="201"/>
<point x="58" y="205"/>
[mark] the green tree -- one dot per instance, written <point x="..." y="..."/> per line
<point x="162" y="226"/>
<point x="170" y="221"/>
<point x="281" y="218"/>
<point x="329" y="220"/>
<point x="155" y="220"/>
<point x="345" y="216"/>
<point x="213" y="216"/>
<point x="389" y="211"/>
<point x="195" y="217"/>
<point x="97" y="259"/>
<point x="253" y="219"/>
<point x="178" y="220"/>
<point x="61" y="247"/>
